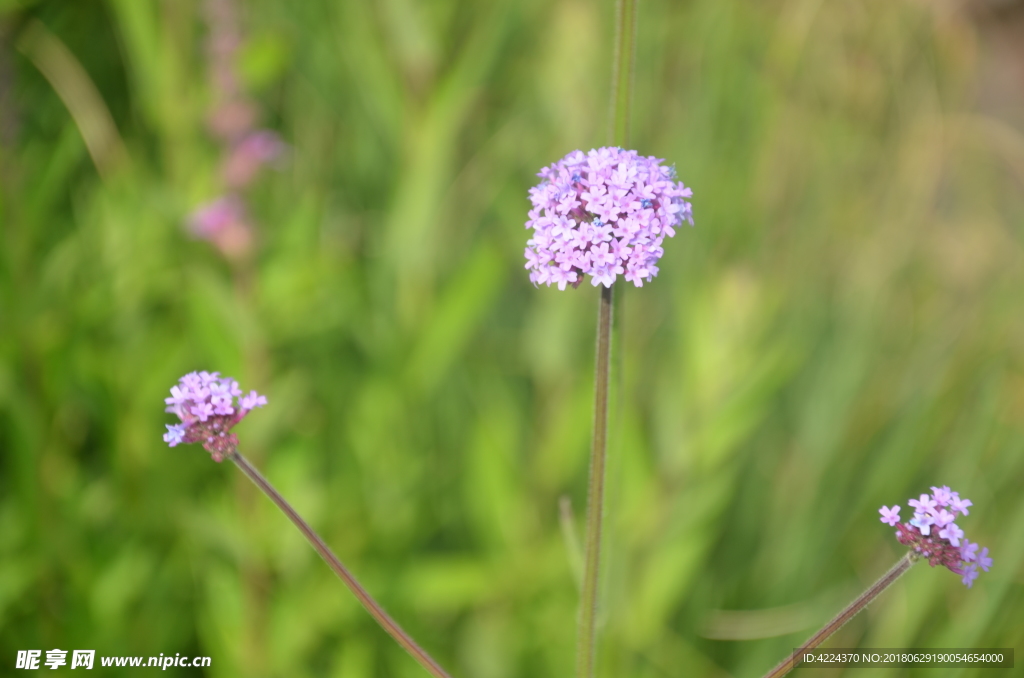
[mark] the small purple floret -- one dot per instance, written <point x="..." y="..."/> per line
<point x="942" y="495"/>
<point x="252" y="400"/>
<point x="970" y="574"/>
<point x="175" y="434"/>
<point x="952" y="533"/>
<point x="923" y="522"/>
<point x="943" y="518"/>
<point x="891" y="516"/>
<point x="983" y="560"/>
<point x="960" y="505"/>
<point x="926" y="503"/>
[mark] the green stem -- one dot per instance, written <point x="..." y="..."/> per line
<point x="371" y="605"/>
<point x="623" y="61"/>
<point x="848" y="613"/>
<point x="595" y="492"/>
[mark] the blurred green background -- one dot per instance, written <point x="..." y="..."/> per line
<point x="841" y="330"/>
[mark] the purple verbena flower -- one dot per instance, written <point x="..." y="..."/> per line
<point x="891" y="516"/>
<point x="948" y="547"/>
<point x="205" y="403"/>
<point x="603" y="214"/>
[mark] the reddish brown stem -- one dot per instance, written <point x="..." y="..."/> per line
<point x="848" y="613"/>
<point x="590" y="593"/>
<point x="371" y="605"/>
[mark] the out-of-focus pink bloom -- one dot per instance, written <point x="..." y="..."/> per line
<point x="223" y="222"/>
<point x="249" y="155"/>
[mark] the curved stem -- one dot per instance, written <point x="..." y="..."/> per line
<point x="848" y="613"/>
<point x="595" y="492"/>
<point x="371" y="605"/>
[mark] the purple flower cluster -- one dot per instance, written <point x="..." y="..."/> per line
<point x="934" y="535"/>
<point x="205" y="403"/>
<point x="603" y="214"/>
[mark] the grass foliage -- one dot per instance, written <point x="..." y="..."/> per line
<point x="841" y="330"/>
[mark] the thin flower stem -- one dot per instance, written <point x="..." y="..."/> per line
<point x="371" y="605"/>
<point x="848" y="613"/>
<point x="623" y="59"/>
<point x="595" y="493"/>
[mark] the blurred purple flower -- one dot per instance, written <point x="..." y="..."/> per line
<point x="212" y="218"/>
<point x="603" y="214"/>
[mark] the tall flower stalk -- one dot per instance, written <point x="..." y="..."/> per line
<point x="595" y="491"/>
<point x="603" y="214"/>
<point x="208" y="407"/>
